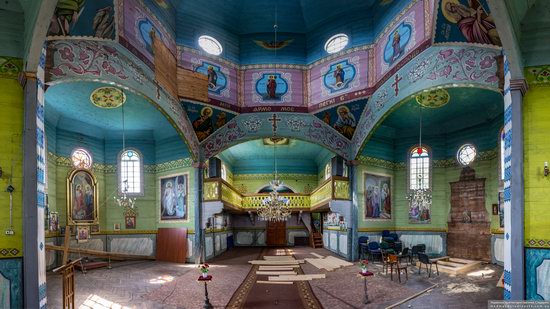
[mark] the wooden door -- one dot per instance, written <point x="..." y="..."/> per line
<point x="276" y="233"/>
<point x="172" y="245"/>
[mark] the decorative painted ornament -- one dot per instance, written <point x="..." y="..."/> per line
<point x="433" y="98"/>
<point x="419" y="150"/>
<point x="108" y="97"/>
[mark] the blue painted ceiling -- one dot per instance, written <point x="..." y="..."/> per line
<point x="255" y="157"/>
<point x="68" y="107"/>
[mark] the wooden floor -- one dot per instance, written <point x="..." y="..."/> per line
<point x="164" y="285"/>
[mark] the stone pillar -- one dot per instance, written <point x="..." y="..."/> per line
<point x="198" y="251"/>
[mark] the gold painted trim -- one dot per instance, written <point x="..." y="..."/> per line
<point x="397" y="229"/>
<point x="121" y="232"/>
<point x="69" y="200"/>
<point x="497" y="231"/>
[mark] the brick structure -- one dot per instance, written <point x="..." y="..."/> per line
<point x="469" y="226"/>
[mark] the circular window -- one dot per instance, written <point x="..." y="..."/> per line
<point x="210" y="45"/>
<point x="81" y="158"/>
<point x="466" y="154"/>
<point x="336" y="43"/>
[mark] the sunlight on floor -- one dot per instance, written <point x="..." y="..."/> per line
<point x="197" y="266"/>
<point x="161" y="279"/>
<point x="485" y="273"/>
<point x="96" y="302"/>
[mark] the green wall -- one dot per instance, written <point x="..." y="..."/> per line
<point x="441" y="192"/>
<point x="11" y="154"/>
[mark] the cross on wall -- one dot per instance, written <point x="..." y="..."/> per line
<point x="395" y="85"/>
<point x="273" y="119"/>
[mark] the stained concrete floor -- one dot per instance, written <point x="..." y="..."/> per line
<point x="166" y="285"/>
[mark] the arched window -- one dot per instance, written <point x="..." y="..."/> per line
<point x="81" y="158"/>
<point x="501" y="143"/>
<point x="336" y="43"/>
<point x="419" y="168"/>
<point x="130" y="176"/>
<point x="328" y="167"/>
<point x="210" y="45"/>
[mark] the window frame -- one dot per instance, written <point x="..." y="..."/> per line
<point x="457" y="156"/>
<point x="332" y="39"/>
<point x="119" y="172"/>
<point x="87" y="152"/>
<point x="430" y="165"/>
<point x="212" y="40"/>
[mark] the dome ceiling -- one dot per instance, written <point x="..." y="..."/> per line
<point x="258" y="16"/>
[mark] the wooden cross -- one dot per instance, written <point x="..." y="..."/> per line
<point x="395" y="85"/>
<point x="274" y="121"/>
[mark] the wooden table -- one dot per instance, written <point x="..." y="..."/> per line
<point x="364" y="276"/>
<point x="207" y="304"/>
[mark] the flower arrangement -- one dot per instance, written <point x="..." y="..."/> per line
<point x="363" y="264"/>
<point x="203" y="268"/>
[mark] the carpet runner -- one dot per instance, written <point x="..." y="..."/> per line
<point x="253" y="295"/>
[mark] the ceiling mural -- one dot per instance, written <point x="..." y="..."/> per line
<point x="466" y="21"/>
<point x="222" y="76"/>
<point x="273" y="86"/>
<point x="85" y="18"/>
<point x="136" y="24"/>
<point x="206" y="119"/>
<point x="107" y="97"/>
<point x="333" y="78"/>
<point x="433" y="98"/>
<point x="400" y="38"/>
<point x="343" y="118"/>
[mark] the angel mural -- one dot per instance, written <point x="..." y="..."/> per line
<point x="473" y="21"/>
<point x="173" y="201"/>
<point x="88" y="18"/>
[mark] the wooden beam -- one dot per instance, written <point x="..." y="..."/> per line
<point x="103" y="254"/>
<point x="274" y="282"/>
<point x="275" y="273"/>
<point x="413" y="296"/>
<point x="290" y="267"/>
<point x="65" y="245"/>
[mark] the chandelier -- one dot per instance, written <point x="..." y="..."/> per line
<point x="274" y="207"/>
<point x="421" y="196"/>
<point x="123" y="200"/>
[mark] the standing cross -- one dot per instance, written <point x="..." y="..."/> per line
<point x="274" y="121"/>
<point x="395" y="85"/>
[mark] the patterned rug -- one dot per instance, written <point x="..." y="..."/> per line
<point x="297" y="295"/>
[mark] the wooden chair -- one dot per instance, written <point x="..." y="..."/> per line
<point x="424" y="259"/>
<point x="385" y="261"/>
<point x="405" y="254"/>
<point x="393" y="261"/>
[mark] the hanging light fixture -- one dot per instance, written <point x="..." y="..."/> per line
<point x="123" y="200"/>
<point x="421" y="196"/>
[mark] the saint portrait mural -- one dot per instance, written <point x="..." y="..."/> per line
<point x="173" y="198"/>
<point x="397" y="42"/>
<point x="466" y="21"/>
<point x="419" y="213"/>
<point x="205" y="119"/>
<point x="83" y="18"/>
<point x="82" y="206"/>
<point x="343" y="118"/>
<point x="378" y="203"/>
<point x="217" y="81"/>
<point x="272" y="87"/>
<point x="339" y="76"/>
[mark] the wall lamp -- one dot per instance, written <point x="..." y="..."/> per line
<point x="546" y="169"/>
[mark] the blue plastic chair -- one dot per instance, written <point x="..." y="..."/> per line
<point x="385" y="233"/>
<point x="374" y="250"/>
<point x="363" y="246"/>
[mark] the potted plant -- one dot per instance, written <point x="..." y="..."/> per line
<point x="363" y="264"/>
<point x="203" y="268"/>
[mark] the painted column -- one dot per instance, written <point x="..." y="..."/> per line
<point x="354" y="211"/>
<point x="199" y="239"/>
<point x="514" y="273"/>
<point x="536" y="124"/>
<point x="11" y="162"/>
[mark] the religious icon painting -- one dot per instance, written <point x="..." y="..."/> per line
<point x="419" y="213"/>
<point x="205" y="119"/>
<point x="343" y="118"/>
<point x="339" y="76"/>
<point x="54" y="221"/>
<point x="466" y="21"/>
<point x="501" y="208"/>
<point x="82" y="198"/>
<point x="82" y="234"/>
<point x="116" y="226"/>
<point x="217" y="80"/>
<point x="397" y="42"/>
<point x="173" y="192"/>
<point x="272" y="87"/>
<point x="378" y="203"/>
<point x="130" y="222"/>
<point x="94" y="229"/>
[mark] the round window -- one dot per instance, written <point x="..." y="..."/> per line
<point x="210" y="45"/>
<point x="336" y="43"/>
<point x="466" y="154"/>
<point x="81" y="158"/>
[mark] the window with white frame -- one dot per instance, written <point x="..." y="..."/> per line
<point x="224" y="172"/>
<point x="336" y="43"/>
<point x="130" y="172"/>
<point x="419" y="168"/>
<point x="81" y="158"/>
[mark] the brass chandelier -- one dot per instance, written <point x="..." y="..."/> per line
<point x="421" y="196"/>
<point x="123" y="200"/>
